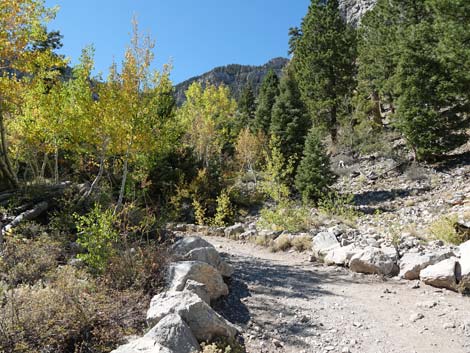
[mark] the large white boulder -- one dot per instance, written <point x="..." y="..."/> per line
<point x="210" y="256"/>
<point x="411" y="264"/>
<point x="340" y="255"/>
<point x="186" y="244"/>
<point x="324" y="242"/>
<point x="142" y="345"/>
<point x="442" y="274"/>
<point x="180" y="272"/>
<point x="203" y="321"/>
<point x="173" y="333"/>
<point x="199" y="289"/>
<point x="373" y="261"/>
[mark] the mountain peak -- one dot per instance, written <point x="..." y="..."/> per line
<point x="234" y="76"/>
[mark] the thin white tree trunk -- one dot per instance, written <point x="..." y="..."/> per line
<point x="56" y="165"/>
<point x="123" y="183"/>
<point x="43" y="166"/>
<point x="100" y="172"/>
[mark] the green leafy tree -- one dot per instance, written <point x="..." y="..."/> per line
<point x="266" y="98"/>
<point x="314" y="174"/>
<point x="290" y="120"/>
<point x="324" y="62"/>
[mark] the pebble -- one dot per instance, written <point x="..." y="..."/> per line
<point x="415" y="317"/>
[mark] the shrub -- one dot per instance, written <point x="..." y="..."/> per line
<point x="139" y="268"/>
<point x="97" y="235"/>
<point x="286" y="216"/>
<point x="302" y="243"/>
<point x="281" y="243"/>
<point x="338" y="205"/>
<point x="71" y="314"/>
<point x="445" y="229"/>
<point x="223" y="346"/>
<point x="224" y="212"/>
<point x="26" y="261"/>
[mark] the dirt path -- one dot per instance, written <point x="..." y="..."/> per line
<point x="283" y="303"/>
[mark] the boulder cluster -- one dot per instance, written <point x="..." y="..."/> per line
<point x="181" y="317"/>
<point x="434" y="264"/>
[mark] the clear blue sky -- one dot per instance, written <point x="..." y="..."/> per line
<point x="196" y="35"/>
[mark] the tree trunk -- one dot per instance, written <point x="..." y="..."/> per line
<point x="334" y="124"/>
<point x="100" y="172"/>
<point x="56" y="165"/>
<point x="376" y="111"/>
<point x="123" y="182"/>
<point x="43" y="166"/>
<point x="5" y="164"/>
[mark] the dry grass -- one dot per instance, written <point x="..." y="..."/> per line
<point x="281" y="243"/>
<point x="302" y="243"/>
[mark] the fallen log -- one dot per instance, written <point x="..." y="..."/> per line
<point x="36" y="211"/>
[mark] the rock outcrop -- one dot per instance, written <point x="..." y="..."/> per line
<point x="353" y="10"/>
<point x="181" y="317"/>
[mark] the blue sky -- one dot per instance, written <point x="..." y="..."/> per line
<point x="195" y="35"/>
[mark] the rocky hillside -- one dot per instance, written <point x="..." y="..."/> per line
<point x="234" y="76"/>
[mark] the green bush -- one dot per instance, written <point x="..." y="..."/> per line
<point x="445" y="229"/>
<point x="224" y="213"/>
<point x="97" y="235"/>
<point x="286" y="216"/>
<point x="338" y="205"/>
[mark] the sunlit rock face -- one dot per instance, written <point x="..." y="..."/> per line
<point x="353" y="10"/>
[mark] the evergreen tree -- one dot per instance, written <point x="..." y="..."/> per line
<point x="430" y="113"/>
<point x="246" y="108"/>
<point x="378" y="48"/>
<point x="266" y="98"/>
<point x="290" y="119"/>
<point x="324" y="62"/>
<point x="314" y="174"/>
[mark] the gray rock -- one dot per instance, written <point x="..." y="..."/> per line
<point x="234" y="230"/>
<point x="373" y="261"/>
<point x="180" y="272"/>
<point x="340" y="255"/>
<point x="142" y="345"/>
<point x="203" y="321"/>
<point x="186" y="244"/>
<point x="210" y="256"/>
<point x="441" y="275"/>
<point x="324" y="242"/>
<point x="464" y="275"/>
<point x="411" y="264"/>
<point x="173" y="333"/>
<point x="199" y="289"/>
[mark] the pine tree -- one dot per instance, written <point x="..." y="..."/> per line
<point x="246" y="108"/>
<point x="378" y="49"/>
<point x="314" y="174"/>
<point x="266" y="98"/>
<point x="324" y="62"/>
<point x="431" y="115"/>
<point x="290" y="120"/>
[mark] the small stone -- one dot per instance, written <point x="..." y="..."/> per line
<point x="415" y="317"/>
<point x="449" y="325"/>
<point x="346" y="350"/>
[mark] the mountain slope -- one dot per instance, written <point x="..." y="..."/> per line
<point x="233" y="76"/>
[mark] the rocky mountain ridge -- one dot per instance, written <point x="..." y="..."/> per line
<point x="234" y="76"/>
